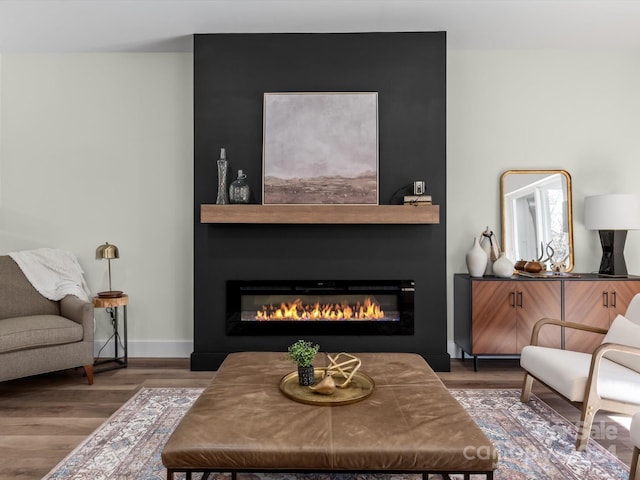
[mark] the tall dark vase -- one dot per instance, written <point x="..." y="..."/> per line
<point x="306" y="375"/>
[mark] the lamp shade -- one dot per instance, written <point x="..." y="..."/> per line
<point x="107" y="252"/>
<point x="619" y="211"/>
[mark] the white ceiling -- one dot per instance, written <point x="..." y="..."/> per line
<point x="51" y="26"/>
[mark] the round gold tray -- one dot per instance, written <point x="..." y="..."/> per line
<point x="361" y="387"/>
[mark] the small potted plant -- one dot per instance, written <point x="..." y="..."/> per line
<point x="302" y="354"/>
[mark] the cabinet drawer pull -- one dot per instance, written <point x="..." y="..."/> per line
<point x="605" y="299"/>
<point x="512" y="297"/>
<point x="520" y="299"/>
<point x="614" y="298"/>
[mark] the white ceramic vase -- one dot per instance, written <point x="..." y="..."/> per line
<point x="486" y="247"/>
<point x="476" y="259"/>
<point x="503" y="267"/>
<point x="489" y="244"/>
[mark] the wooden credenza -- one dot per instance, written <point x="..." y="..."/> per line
<point x="495" y="316"/>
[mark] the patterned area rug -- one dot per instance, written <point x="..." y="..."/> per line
<point x="534" y="442"/>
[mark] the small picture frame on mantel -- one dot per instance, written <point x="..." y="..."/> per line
<point x="320" y="148"/>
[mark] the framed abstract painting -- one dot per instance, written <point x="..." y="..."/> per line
<point x="320" y="148"/>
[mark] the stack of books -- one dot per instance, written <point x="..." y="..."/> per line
<point x="417" y="200"/>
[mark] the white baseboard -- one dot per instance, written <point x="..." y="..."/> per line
<point x="149" y="349"/>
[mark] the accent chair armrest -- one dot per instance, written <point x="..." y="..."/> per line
<point x="599" y="352"/>
<point x="591" y="393"/>
<point x="79" y="311"/>
<point x="561" y="323"/>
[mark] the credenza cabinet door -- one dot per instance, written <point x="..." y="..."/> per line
<point x="595" y="303"/>
<point x="536" y="300"/>
<point x="493" y="314"/>
<point x="622" y="292"/>
<point x="504" y="312"/>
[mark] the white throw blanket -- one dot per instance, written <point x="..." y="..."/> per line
<point x="53" y="273"/>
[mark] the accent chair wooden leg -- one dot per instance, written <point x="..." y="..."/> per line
<point x="634" y="474"/>
<point x="88" y="370"/>
<point x="584" y="427"/>
<point x="527" y="384"/>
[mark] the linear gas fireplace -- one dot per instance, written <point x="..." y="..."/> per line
<point x="308" y="307"/>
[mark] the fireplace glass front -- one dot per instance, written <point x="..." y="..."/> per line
<point x="337" y="307"/>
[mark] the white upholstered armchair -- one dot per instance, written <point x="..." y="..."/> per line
<point x="608" y="379"/>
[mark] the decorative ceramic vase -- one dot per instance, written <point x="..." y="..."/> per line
<point x="520" y="265"/>
<point x="489" y="244"/>
<point x="223" y="168"/>
<point x="533" y="267"/>
<point x="476" y="259"/>
<point x="487" y="249"/>
<point x="503" y="267"/>
<point x="306" y="375"/>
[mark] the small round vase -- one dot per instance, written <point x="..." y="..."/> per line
<point x="503" y="267"/>
<point x="306" y="375"/>
<point x="520" y="265"/>
<point x="476" y="259"/>
<point x="533" y="267"/>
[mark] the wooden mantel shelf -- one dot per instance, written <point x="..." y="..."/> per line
<point x="321" y="214"/>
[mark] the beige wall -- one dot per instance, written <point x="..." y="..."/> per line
<point x="98" y="147"/>
<point x="577" y="111"/>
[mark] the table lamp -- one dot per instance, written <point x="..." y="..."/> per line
<point x="108" y="251"/>
<point x="612" y="215"/>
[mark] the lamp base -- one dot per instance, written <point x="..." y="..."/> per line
<point x="612" y="263"/>
<point x="110" y="294"/>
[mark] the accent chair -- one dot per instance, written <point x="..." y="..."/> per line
<point x="607" y="379"/>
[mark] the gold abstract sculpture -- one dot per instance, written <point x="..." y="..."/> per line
<point x="326" y="386"/>
<point x="337" y="367"/>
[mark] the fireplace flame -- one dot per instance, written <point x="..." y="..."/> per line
<point x="297" y="310"/>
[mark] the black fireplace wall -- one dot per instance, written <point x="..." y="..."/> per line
<point x="231" y="74"/>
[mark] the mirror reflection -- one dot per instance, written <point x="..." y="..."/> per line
<point x="537" y="221"/>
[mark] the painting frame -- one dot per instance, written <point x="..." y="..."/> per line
<point x="320" y="148"/>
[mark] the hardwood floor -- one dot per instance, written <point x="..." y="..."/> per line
<point x="43" y="418"/>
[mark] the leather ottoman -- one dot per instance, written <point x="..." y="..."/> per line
<point x="410" y="423"/>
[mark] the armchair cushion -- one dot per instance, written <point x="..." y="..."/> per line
<point x="624" y="332"/>
<point x="37" y="331"/>
<point x="567" y="373"/>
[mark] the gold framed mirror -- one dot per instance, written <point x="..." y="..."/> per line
<point x="537" y="220"/>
